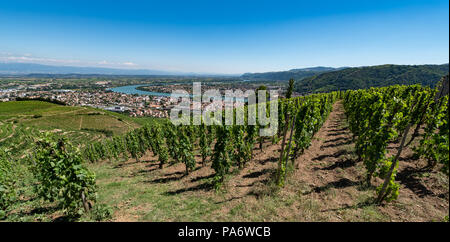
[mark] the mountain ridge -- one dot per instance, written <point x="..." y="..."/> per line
<point x="297" y="73"/>
<point x="19" y="68"/>
<point x="372" y="76"/>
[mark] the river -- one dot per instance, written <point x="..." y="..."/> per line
<point x="131" y="89"/>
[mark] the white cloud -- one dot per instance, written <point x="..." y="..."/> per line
<point x="29" y="58"/>
<point x="103" y="62"/>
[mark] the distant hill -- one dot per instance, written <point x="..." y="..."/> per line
<point x="297" y="74"/>
<point x="372" y="76"/>
<point x="32" y="68"/>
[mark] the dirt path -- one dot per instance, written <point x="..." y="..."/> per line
<point x="330" y="176"/>
<point x="331" y="152"/>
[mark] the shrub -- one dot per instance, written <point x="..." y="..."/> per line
<point x="62" y="177"/>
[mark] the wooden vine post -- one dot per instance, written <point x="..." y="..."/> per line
<point x="289" y="146"/>
<point x="382" y="194"/>
<point x="85" y="203"/>
<point x="280" y="162"/>
<point x="442" y="92"/>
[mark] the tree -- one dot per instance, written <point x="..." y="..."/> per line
<point x="290" y="88"/>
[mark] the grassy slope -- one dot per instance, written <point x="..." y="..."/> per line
<point x="23" y="120"/>
<point x="80" y="124"/>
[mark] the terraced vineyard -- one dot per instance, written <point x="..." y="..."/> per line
<point x="6" y="131"/>
<point x="22" y="121"/>
<point x="338" y="156"/>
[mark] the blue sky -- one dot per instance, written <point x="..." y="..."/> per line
<point x="224" y="36"/>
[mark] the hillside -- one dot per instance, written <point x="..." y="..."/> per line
<point x="22" y="119"/>
<point x="286" y="75"/>
<point x="372" y="76"/>
<point x="326" y="185"/>
<point x="164" y="172"/>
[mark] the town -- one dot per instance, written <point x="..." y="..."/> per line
<point x="131" y="104"/>
<point x="102" y="97"/>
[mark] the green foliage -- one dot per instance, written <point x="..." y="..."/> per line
<point x="205" y="142"/>
<point x="252" y="133"/>
<point x="61" y="175"/>
<point x="186" y="148"/>
<point x="241" y="153"/>
<point x="392" y="189"/>
<point x="160" y="146"/>
<point x="101" y="212"/>
<point x="378" y="115"/>
<point x="133" y="145"/>
<point x="58" y="119"/>
<point x="310" y="112"/>
<point x="290" y="88"/>
<point x="222" y="156"/>
<point x="434" y="145"/>
<point x="173" y="142"/>
<point x="7" y="183"/>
